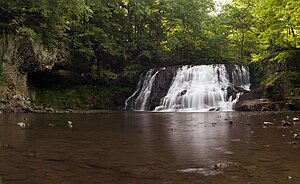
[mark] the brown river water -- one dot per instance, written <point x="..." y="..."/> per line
<point x="149" y="148"/>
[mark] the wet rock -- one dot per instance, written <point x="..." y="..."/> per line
<point x="214" y="109"/>
<point x="286" y="123"/>
<point x="221" y="165"/>
<point x="265" y="109"/>
<point x="23" y="125"/>
<point x="261" y="99"/>
<point x="159" y="89"/>
<point x="251" y="95"/>
<point x="252" y="105"/>
<point x="231" y="92"/>
<point x="70" y="124"/>
<point x="293" y="142"/>
<point x="51" y="125"/>
<point x="49" y="109"/>
<point x="267" y="123"/>
<point x="267" y="146"/>
<point x="183" y="92"/>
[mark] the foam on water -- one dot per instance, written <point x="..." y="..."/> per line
<point x="204" y="88"/>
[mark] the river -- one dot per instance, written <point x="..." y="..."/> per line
<point x="146" y="147"/>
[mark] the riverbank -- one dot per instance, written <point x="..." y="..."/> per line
<point x="77" y="99"/>
<point x="96" y="99"/>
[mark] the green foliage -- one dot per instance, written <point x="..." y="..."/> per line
<point x="80" y="97"/>
<point x="294" y="77"/>
<point x="105" y="75"/>
<point x="124" y="37"/>
<point x="49" y="19"/>
<point x="282" y="57"/>
<point x="2" y="76"/>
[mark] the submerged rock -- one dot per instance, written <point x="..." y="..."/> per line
<point x="23" y="125"/>
<point x="266" y="123"/>
<point x="286" y="123"/>
<point x="214" y="109"/>
<point x="221" y="165"/>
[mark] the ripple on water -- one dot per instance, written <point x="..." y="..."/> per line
<point x="223" y="150"/>
<point x="216" y="169"/>
<point x="202" y="171"/>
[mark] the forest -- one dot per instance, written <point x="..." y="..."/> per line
<point x="111" y="42"/>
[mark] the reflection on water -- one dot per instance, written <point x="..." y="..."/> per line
<point x="144" y="147"/>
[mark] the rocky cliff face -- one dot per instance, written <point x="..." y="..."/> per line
<point x="159" y="89"/>
<point x="278" y="94"/>
<point x="161" y="86"/>
<point x="19" y="58"/>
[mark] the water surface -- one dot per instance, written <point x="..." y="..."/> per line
<point x="144" y="147"/>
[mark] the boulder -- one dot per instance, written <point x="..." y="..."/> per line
<point x="252" y="105"/>
<point x="161" y="86"/>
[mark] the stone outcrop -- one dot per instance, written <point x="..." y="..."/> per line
<point x="161" y="86"/>
<point x="18" y="58"/>
<point x="258" y="100"/>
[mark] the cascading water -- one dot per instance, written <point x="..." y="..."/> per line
<point x="194" y="88"/>
<point x="203" y="88"/>
<point x="143" y="91"/>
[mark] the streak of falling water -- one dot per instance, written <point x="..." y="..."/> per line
<point x="203" y="88"/>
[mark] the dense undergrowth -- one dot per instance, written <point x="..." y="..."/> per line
<point x="81" y="97"/>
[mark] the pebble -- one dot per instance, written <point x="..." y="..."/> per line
<point x="267" y="123"/>
<point x="23" y="125"/>
<point x="70" y="124"/>
<point x="51" y="125"/>
<point x="293" y="142"/>
<point x="221" y="165"/>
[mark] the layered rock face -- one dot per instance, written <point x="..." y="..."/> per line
<point x="19" y="58"/>
<point x="152" y="87"/>
<point x="190" y="88"/>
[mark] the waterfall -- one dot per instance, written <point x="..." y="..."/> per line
<point x="194" y="88"/>
<point x="141" y="95"/>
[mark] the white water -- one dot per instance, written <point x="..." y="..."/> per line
<point x="241" y="77"/>
<point x="144" y="90"/>
<point x="204" y="88"/>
